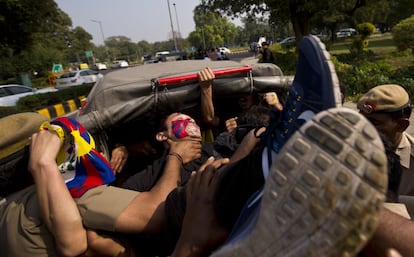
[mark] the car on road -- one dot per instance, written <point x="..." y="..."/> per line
<point x="11" y="93"/>
<point x="100" y="66"/>
<point x="224" y="50"/>
<point x="288" y="40"/>
<point x="343" y="34"/>
<point x="77" y="78"/>
<point x="351" y="31"/>
<point x="120" y="64"/>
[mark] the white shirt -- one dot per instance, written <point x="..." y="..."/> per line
<point x="406" y="152"/>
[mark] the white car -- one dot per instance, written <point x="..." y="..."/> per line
<point x="224" y="50"/>
<point x="11" y="93"/>
<point x="120" y="64"/>
<point x="100" y="66"/>
<point x="343" y="34"/>
<point x="77" y="78"/>
<point x="351" y="31"/>
<point x="288" y="40"/>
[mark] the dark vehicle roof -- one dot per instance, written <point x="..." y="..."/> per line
<point x="132" y="93"/>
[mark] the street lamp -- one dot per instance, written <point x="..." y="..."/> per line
<point x="172" y="27"/>
<point x="100" y="26"/>
<point x="178" y="25"/>
<point x="103" y="37"/>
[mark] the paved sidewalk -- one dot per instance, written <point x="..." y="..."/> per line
<point x="249" y="60"/>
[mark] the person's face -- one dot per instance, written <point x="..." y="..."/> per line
<point x="385" y="125"/>
<point x="247" y="101"/>
<point x="181" y="126"/>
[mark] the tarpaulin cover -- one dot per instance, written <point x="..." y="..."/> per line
<point x="130" y="94"/>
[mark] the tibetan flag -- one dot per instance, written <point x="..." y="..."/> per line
<point x="82" y="166"/>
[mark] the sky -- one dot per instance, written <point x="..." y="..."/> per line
<point x="136" y="19"/>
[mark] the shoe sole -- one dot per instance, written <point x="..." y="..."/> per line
<point x="324" y="191"/>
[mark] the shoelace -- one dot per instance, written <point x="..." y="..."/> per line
<point x="91" y="169"/>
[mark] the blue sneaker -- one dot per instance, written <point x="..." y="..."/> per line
<point x="315" y="88"/>
<point x="323" y="195"/>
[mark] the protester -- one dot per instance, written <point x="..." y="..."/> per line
<point x="40" y="220"/>
<point x="145" y="179"/>
<point x="102" y="207"/>
<point x="144" y="147"/>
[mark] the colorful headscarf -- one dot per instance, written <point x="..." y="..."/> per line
<point x="82" y="166"/>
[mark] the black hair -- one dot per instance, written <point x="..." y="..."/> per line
<point x="255" y="116"/>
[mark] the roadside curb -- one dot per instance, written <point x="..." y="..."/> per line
<point x="61" y="109"/>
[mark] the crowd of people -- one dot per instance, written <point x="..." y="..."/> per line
<point x="302" y="177"/>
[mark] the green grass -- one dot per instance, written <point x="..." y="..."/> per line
<point x="383" y="47"/>
<point x="378" y="43"/>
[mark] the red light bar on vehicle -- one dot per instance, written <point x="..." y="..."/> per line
<point x="189" y="77"/>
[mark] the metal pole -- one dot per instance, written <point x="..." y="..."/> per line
<point x="176" y="17"/>
<point x="100" y="26"/>
<point x="103" y="37"/>
<point x="178" y="26"/>
<point x="172" y="27"/>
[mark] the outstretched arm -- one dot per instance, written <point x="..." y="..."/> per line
<point x="205" y="78"/>
<point x="247" y="144"/>
<point x="59" y="211"/>
<point x="145" y="214"/>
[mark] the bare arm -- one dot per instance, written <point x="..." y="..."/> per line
<point x="393" y="231"/>
<point x="106" y="246"/>
<point x="59" y="211"/>
<point x="206" y="78"/>
<point x="246" y="146"/>
<point x="143" y="214"/>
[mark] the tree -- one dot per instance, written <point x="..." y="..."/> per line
<point x="403" y="34"/>
<point x="384" y="13"/>
<point x="360" y="41"/>
<point x="301" y="13"/>
<point x="20" y="20"/>
<point x="35" y="35"/>
<point x="212" y="29"/>
<point x="143" y="47"/>
<point x="121" y="48"/>
<point x="257" y="27"/>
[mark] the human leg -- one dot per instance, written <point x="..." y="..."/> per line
<point x="324" y="192"/>
<point x="315" y="88"/>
